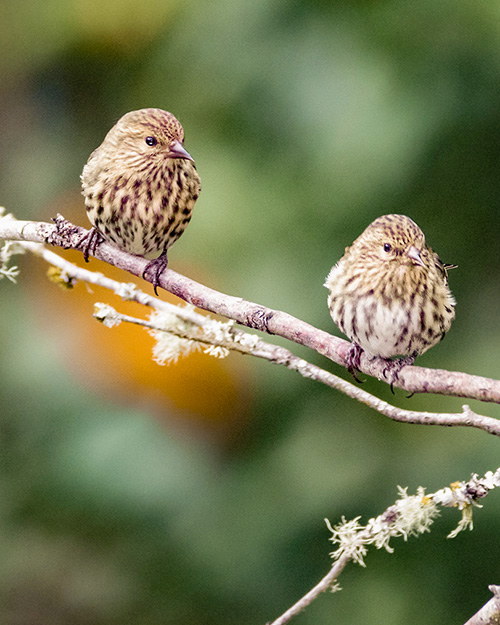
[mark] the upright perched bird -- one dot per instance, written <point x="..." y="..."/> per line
<point x="140" y="186"/>
<point x="389" y="293"/>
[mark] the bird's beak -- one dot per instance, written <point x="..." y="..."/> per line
<point x="414" y="254"/>
<point x="177" y="150"/>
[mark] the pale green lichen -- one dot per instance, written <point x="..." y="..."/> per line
<point x="410" y="515"/>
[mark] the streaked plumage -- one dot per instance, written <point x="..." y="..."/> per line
<point x="140" y="185"/>
<point x="389" y="292"/>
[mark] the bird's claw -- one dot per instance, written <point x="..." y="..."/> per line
<point x="89" y="242"/>
<point x="155" y="268"/>
<point x="353" y="361"/>
<point x="393" y="367"/>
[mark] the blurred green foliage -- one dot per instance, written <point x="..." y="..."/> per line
<point x="307" y="120"/>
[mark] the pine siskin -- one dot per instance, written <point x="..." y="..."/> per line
<point x="140" y="186"/>
<point x="389" y="293"/>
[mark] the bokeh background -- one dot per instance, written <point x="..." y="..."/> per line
<point x="196" y="493"/>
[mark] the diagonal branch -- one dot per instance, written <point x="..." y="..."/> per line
<point x="197" y="328"/>
<point x="411" y="378"/>
<point x="327" y="582"/>
<point x="410" y="515"/>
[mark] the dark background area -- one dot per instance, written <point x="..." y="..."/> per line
<point x="196" y="493"/>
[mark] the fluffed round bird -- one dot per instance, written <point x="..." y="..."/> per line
<point x="389" y="294"/>
<point x="140" y="186"/>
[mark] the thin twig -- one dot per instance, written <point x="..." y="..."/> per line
<point x="282" y="356"/>
<point x="410" y="515"/>
<point x="323" y="585"/>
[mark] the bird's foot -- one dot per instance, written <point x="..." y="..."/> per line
<point x="89" y="242"/>
<point x="393" y="367"/>
<point x="155" y="268"/>
<point x="353" y="361"/>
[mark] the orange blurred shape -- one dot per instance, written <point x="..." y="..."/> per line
<point x="118" y="362"/>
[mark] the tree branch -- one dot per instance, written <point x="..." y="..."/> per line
<point x="411" y="378"/>
<point x="238" y="340"/>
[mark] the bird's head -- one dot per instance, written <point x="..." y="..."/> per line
<point x="145" y="136"/>
<point x="392" y="241"/>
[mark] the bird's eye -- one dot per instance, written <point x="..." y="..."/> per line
<point x="151" y="141"/>
<point x="387" y="247"/>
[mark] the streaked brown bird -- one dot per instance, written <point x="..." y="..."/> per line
<point x="140" y="186"/>
<point x="389" y="293"/>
